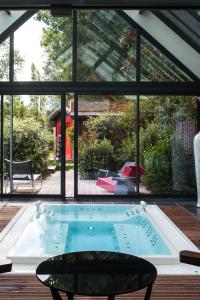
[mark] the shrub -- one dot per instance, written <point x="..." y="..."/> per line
<point x="127" y="151"/>
<point x="183" y="172"/>
<point x="95" y="156"/>
<point x="30" y="141"/>
<point x="148" y="137"/>
<point x="107" y="127"/>
<point x="157" y="165"/>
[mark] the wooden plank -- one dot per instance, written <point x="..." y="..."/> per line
<point x="6" y="214"/>
<point x="165" y="288"/>
<point x="188" y="223"/>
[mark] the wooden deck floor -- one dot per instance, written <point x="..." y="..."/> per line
<point x="51" y="186"/>
<point x="165" y="287"/>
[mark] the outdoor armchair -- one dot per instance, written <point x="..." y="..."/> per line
<point x="123" y="182"/>
<point x="22" y="175"/>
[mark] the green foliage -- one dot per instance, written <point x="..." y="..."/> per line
<point x="4" y="60"/>
<point x="127" y="150"/>
<point x="167" y="167"/>
<point x="95" y="156"/>
<point x="107" y="127"/>
<point x="127" y="118"/>
<point x="148" y="137"/>
<point x="69" y="165"/>
<point x="30" y="142"/>
<point x="183" y="172"/>
<point x="56" y="40"/>
<point x="157" y="165"/>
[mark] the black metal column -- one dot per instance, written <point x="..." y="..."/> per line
<point x="1" y="156"/>
<point x="138" y="78"/>
<point x="74" y="76"/>
<point x="63" y="138"/>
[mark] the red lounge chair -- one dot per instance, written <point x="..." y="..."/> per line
<point x="123" y="182"/>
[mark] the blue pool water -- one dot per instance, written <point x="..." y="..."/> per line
<point x="55" y="229"/>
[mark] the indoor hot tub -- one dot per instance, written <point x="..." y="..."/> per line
<point x="43" y="230"/>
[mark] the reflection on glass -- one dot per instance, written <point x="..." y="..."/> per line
<point x="155" y="66"/>
<point x="33" y="139"/>
<point x="4" y="60"/>
<point x="167" y="129"/>
<point x="106" y="47"/>
<point x="46" y="53"/>
<point x="107" y="145"/>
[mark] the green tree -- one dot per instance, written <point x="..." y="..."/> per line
<point x="4" y="60"/>
<point x="107" y="126"/>
<point x="57" y="40"/>
<point x="95" y="156"/>
<point x="29" y="142"/>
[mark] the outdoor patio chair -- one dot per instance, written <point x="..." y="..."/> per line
<point x="22" y="175"/>
<point x="123" y="182"/>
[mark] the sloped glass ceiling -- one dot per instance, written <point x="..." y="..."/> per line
<point x="185" y="23"/>
<point x="106" y="47"/>
<point x="51" y="39"/>
<point x="107" y="51"/>
<point x="155" y="66"/>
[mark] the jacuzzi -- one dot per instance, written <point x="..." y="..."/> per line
<point x="44" y="230"/>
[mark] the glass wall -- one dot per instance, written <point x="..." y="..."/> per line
<point x="106" y="47"/>
<point x="4" y="60"/>
<point x="156" y="66"/>
<point x="43" y="49"/>
<point x="168" y="125"/>
<point x="126" y="144"/>
<point x="107" y="145"/>
<point x="30" y="135"/>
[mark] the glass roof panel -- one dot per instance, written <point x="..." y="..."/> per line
<point x="186" y="23"/>
<point x="155" y="66"/>
<point x="106" y="47"/>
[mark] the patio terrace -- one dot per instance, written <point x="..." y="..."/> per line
<point x="51" y="186"/>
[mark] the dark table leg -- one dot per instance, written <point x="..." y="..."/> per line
<point x="148" y="292"/>
<point x="55" y="294"/>
<point x="111" y="297"/>
<point x="70" y="296"/>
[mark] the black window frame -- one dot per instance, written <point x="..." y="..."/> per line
<point x="96" y="88"/>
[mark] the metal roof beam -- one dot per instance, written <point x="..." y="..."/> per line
<point x="147" y="4"/>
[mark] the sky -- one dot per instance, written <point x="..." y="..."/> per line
<point x="27" y="41"/>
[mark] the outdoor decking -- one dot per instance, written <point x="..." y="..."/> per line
<point x="165" y="288"/>
<point x="51" y="186"/>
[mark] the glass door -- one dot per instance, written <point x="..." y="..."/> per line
<point x="107" y="145"/>
<point x="32" y="144"/>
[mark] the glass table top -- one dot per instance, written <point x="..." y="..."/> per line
<point x="96" y="273"/>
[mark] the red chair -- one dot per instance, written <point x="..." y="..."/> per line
<point x="123" y="182"/>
